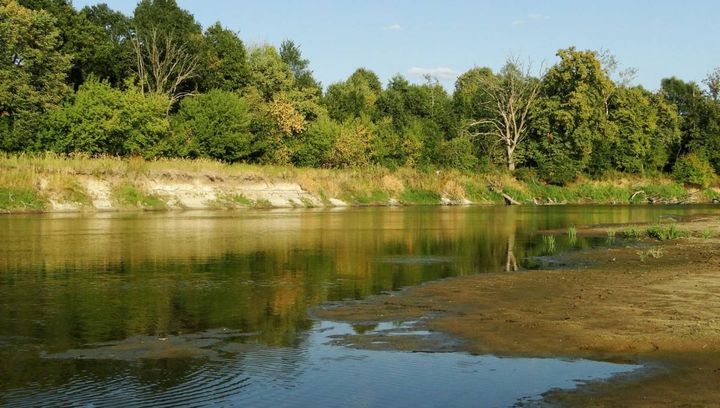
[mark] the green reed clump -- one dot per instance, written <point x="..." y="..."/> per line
<point x="549" y="243"/>
<point x="664" y="232"/>
<point x="633" y="232"/>
<point x="610" y="236"/>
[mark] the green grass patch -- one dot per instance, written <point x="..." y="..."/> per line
<point x="633" y="232"/>
<point x="664" y="232"/>
<point x="20" y="199"/>
<point x="517" y="194"/>
<point x="419" y="196"/>
<point x="480" y="193"/>
<point x="127" y="195"/>
<point x="262" y="204"/>
<point x="600" y="193"/>
<point x="664" y="192"/>
<point x="360" y="197"/>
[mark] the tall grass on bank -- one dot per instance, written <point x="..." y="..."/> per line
<point x="28" y="182"/>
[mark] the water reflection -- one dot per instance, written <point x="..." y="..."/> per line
<point x="313" y="374"/>
<point x="67" y="282"/>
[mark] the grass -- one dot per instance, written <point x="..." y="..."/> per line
<point x="633" y="232"/>
<point x="661" y="232"/>
<point x="55" y="177"/>
<point x="231" y="201"/>
<point x="654" y="253"/>
<point x="707" y="234"/>
<point x="127" y="195"/>
<point x="572" y="235"/>
<point x="262" y="204"/>
<point x="20" y="199"/>
<point x="549" y="244"/>
<point x="664" y="232"/>
<point x="610" y="236"/>
<point x="419" y="196"/>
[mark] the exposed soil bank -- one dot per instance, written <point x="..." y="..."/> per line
<point x="662" y="311"/>
<point x="67" y="184"/>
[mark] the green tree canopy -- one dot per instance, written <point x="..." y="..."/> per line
<point x="224" y="62"/>
<point x="32" y="70"/>
<point x="291" y="55"/>
<point x="354" y="97"/>
<point x="215" y="125"/>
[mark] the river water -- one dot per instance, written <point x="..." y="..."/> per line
<point x="210" y="308"/>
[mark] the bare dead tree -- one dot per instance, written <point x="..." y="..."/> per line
<point x="163" y="65"/>
<point x="511" y="96"/>
<point x="712" y="81"/>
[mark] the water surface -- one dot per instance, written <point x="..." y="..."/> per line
<point x="201" y="307"/>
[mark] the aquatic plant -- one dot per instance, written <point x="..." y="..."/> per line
<point x="664" y="232"/>
<point x="572" y="235"/>
<point x="549" y="243"/>
<point x="610" y="236"/>
<point x="632" y="232"/>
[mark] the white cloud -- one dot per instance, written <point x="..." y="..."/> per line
<point x="438" y="72"/>
<point x="531" y="18"/>
<point x="394" y="27"/>
<point x="537" y="17"/>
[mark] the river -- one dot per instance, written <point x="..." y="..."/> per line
<point x="211" y="308"/>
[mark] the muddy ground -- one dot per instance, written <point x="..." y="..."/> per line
<point x="661" y="309"/>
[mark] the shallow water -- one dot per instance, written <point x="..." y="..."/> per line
<point x="195" y="308"/>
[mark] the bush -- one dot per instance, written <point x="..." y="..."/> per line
<point x="352" y="146"/>
<point x="694" y="169"/>
<point x="458" y="154"/>
<point x="215" y="125"/>
<point x="104" y="120"/>
<point x="315" y="145"/>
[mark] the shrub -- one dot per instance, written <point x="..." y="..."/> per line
<point x="351" y="147"/>
<point x="694" y="169"/>
<point x="314" y="146"/>
<point x="104" y="120"/>
<point x="457" y="154"/>
<point x="216" y="125"/>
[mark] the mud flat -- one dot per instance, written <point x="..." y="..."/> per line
<point x="649" y="302"/>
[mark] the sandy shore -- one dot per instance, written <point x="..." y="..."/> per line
<point x="662" y="311"/>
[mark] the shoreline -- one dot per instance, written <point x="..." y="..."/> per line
<point x="659" y="312"/>
<point x="49" y="184"/>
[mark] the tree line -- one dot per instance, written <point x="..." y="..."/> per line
<point x="155" y="84"/>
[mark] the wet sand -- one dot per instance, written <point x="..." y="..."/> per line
<point x="663" y="312"/>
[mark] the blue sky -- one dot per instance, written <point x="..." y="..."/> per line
<point x="659" y="38"/>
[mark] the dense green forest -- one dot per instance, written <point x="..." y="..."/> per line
<point x="155" y="84"/>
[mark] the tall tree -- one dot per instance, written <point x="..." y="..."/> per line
<point x="111" y="55"/>
<point x="290" y="53"/>
<point x="571" y="129"/>
<point x="700" y="119"/>
<point x="224" y="61"/>
<point x="167" y="43"/>
<point x="32" y="67"/>
<point x="511" y="95"/>
<point x="354" y="97"/>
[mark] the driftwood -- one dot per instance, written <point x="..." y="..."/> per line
<point x="632" y="197"/>
<point x="509" y="200"/>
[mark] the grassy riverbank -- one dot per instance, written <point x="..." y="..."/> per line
<point x="58" y="183"/>
<point x="648" y="301"/>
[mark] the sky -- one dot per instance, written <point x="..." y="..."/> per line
<point x="660" y="38"/>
